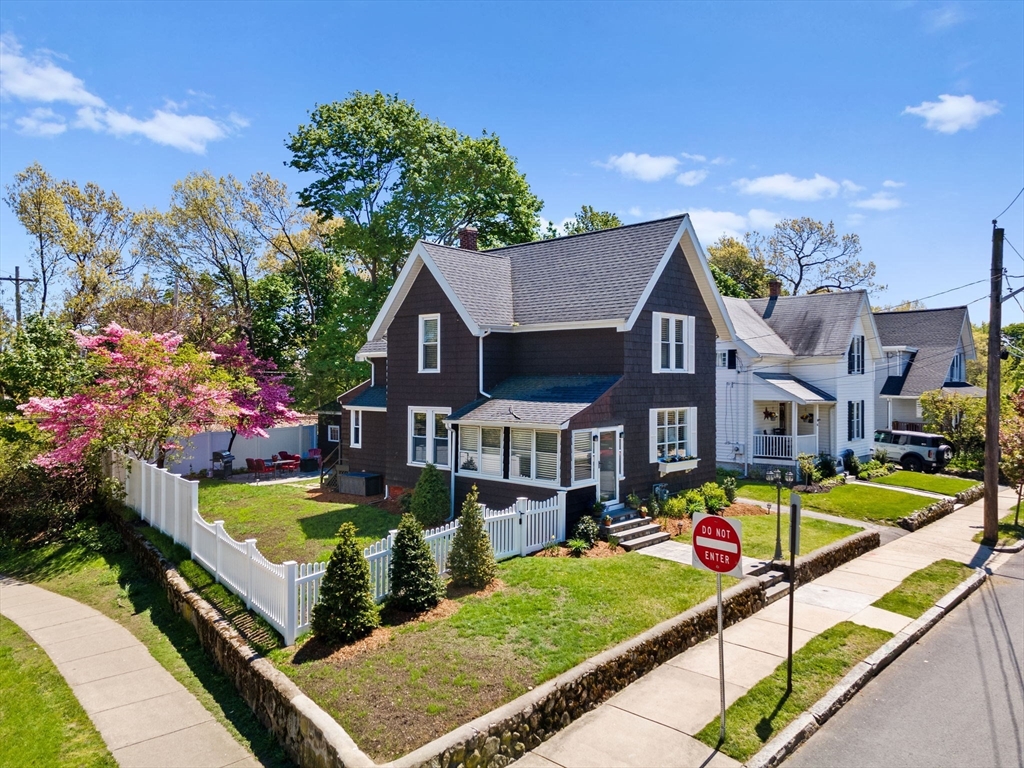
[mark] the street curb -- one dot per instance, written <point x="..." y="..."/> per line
<point x="796" y="733"/>
<point x="1013" y="549"/>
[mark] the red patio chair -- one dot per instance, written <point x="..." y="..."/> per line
<point x="262" y="468"/>
<point x="250" y="464"/>
<point x="292" y="459"/>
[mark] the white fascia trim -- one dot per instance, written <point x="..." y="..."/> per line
<point x="686" y="238"/>
<point x="364" y="408"/>
<point x="967" y="338"/>
<point x="618" y="324"/>
<point x="517" y="425"/>
<point x="357" y="386"/>
<point x="874" y="339"/>
<point x="418" y="258"/>
<point x="362" y="357"/>
<point x="900" y="348"/>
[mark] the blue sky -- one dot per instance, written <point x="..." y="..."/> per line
<point x="902" y="122"/>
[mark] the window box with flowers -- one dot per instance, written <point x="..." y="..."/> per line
<point x="674" y="439"/>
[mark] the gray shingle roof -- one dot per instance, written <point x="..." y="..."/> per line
<point x="371" y="397"/>
<point x="751" y="328"/>
<point x="374" y="348"/>
<point x="817" y="325"/>
<point x="481" y="279"/>
<point x="549" y="400"/>
<point x="935" y="333"/>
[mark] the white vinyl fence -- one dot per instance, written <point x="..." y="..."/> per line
<point x="284" y="594"/>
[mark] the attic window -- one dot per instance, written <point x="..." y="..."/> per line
<point x="672" y="343"/>
<point x="855" y="357"/>
<point x="956" y="368"/>
<point x="430" y="344"/>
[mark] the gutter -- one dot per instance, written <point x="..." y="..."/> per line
<point x="480" y="385"/>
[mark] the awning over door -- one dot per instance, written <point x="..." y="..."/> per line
<point x="783" y="386"/>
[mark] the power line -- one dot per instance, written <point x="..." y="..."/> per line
<point x="1011" y="203"/>
<point x="1011" y="245"/>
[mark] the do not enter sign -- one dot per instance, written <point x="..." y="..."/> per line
<point x="716" y="545"/>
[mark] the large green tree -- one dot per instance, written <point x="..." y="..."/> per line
<point x="736" y="271"/>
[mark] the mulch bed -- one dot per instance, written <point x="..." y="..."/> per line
<point x="600" y="549"/>
<point x="678" y="526"/>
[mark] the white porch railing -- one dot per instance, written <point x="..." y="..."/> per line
<point x="773" y="447"/>
<point x="284" y="594"/>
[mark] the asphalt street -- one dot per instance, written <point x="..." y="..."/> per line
<point x="955" y="699"/>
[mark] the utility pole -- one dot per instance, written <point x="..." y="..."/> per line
<point x="18" y="280"/>
<point x="995" y="322"/>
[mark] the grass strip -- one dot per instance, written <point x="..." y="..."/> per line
<point x="766" y="709"/>
<point x="759" y="534"/>
<point x="858" y="502"/>
<point x="41" y="722"/>
<point x="919" y="591"/>
<point x="114" y="584"/>
<point x="948" y="486"/>
<point x="1009" y="534"/>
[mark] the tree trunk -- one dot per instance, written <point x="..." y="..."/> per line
<point x="232" y="440"/>
<point x="1016" y="514"/>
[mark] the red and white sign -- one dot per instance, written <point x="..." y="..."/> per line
<point x="716" y="545"/>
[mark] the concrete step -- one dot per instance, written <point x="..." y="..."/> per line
<point x="638" y="532"/>
<point x="644" y="541"/>
<point x="771" y="578"/>
<point x="623" y="524"/>
<point x="776" y="592"/>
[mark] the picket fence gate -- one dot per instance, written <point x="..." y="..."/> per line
<point x="284" y="593"/>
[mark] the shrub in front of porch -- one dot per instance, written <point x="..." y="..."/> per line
<point x="415" y="583"/>
<point x="430" y="501"/>
<point x="471" y="561"/>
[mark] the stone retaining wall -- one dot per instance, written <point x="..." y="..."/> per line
<point x="831" y="556"/>
<point x="971" y="495"/>
<point x="309" y="735"/>
<point x="929" y="514"/>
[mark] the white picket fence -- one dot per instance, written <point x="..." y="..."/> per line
<point x="284" y="594"/>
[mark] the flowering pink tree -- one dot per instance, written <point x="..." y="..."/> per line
<point x="259" y="392"/>
<point x="147" y="390"/>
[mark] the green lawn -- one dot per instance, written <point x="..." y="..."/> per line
<point x="288" y="521"/>
<point x="919" y="591"/>
<point x="552" y="614"/>
<point x="858" y="502"/>
<point x="1009" y="534"/>
<point x="948" y="486"/>
<point x="759" y="535"/>
<point x="112" y="583"/>
<point x="766" y="709"/>
<point x="41" y="722"/>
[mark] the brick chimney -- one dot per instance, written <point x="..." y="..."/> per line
<point x="774" y="289"/>
<point x="467" y="238"/>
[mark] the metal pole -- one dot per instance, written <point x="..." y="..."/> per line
<point x="721" y="659"/>
<point x="778" y="520"/>
<point x="995" y="321"/>
<point x="17" y="295"/>
<point x="792" y="590"/>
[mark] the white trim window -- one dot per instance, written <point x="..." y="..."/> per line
<point x="721" y="359"/>
<point x="855" y="356"/>
<point x="672" y="343"/>
<point x="673" y="434"/>
<point x="430" y="344"/>
<point x="333" y="433"/>
<point x="356" y="429"/>
<point x="855" y="419"/>
<point x="428" y="436"/>
<point x="582" y="456"/>
<point x="533" y="455"/>
<point x="956" y="368"/>
<point x="480" y="450"/>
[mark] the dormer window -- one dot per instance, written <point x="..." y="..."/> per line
<point x="672" y="343"/>
<point x="956" y="368"/>
<point x="430" y="344"/>
<point x="855" y="357"/>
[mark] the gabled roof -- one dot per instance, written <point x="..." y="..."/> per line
<point x="372" y="349"/>
<point x="935" y="333"/>
<point x="536" y="400"/>
<point x="818" y="325"/>
<point x="594" y="279"/>
<point x="752" y="329"/>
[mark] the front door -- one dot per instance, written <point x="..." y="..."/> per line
<point x="608" y="465"/>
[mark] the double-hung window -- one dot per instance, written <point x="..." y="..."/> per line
<point x="672" y="343"/>
<point x="480" y="449"/>
<point x="582" y="456"/>
<point x="333" y="433"/>
<point x="855" y="419"/>
<point x="673" y="434"/>
<point x="428" y="436"/>
<point x="956" y="368"/>
<point x="533" y="454"/>
<point x="430" y="344"/>
<point x="356" y="429"/>
<point x="855" y="357"/>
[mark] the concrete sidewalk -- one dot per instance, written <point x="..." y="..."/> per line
<point x="651" y="723"/>
<point x="146" y="717"/>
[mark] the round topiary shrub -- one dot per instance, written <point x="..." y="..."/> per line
<point x="430" y="500"/>
<point x="346" y="610"/>
<point x="415" y="583"/>
<point x="471" y="560"/>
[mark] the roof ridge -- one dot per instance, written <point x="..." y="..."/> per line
<point x="811" y="295"/>
<point x="489" y="253"/>
<point x="586" y="234"/>
<point x="915" y="311"/>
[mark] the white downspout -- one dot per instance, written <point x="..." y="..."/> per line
<point x="481" y="366"/>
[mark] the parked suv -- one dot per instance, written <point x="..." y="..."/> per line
<point x="916" y="451"/>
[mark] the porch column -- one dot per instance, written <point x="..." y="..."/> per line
<point x="817" y="447"/>
<point x="793" y="406"/>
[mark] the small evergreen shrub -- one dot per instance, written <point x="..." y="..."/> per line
<point x="714" y="497"/>
<point x="728" y="484"/>
<point x="880" y="456"/>
<point x="471" y="560"/>
<point x="430" y="501"/>
<point x="346" y="610"/>
<point x="675" y="507"/>
<point x="853" y="465"/>
<point x="577" y="547"/>
<point x="694" y="503"/>
<point x="405" y="501"/>
<point x="415" y="584"/>
<point x="826" y="465"/>
<point x="587" y="530"/>
<point x="809" y="473"/>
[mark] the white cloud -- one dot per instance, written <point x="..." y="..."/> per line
<point x="788" y="186"/>
<point x="695" y="158"/>
<point x="711" y="225"/>
<point x="643" y="167"/>
<point x="635" y="211"/>
<point x="41" y="122"/>
<point x="952" y="113"/>
<point x="691" y="178"/>
<point x="850" y="188"/>
<point x="759" y="218"/>
<point x="942" y="18"/>
<point x="38" y="79"/>
<point x="721" y="160"/>
<point x="880" y="201"/>
<point x="889" y="184"/>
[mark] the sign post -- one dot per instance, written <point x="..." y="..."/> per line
<point x="716" y="548"/>
<point x="794" y="550"/>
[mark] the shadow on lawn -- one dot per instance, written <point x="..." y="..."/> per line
<point x="765" y="728"/>
<point x="370" y="523"/>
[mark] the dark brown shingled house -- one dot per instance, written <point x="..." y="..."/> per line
<point x="581" y="366"/>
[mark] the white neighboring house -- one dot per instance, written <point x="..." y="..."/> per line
<point x="799" y="378"/>
<point x="925" y="350"/>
